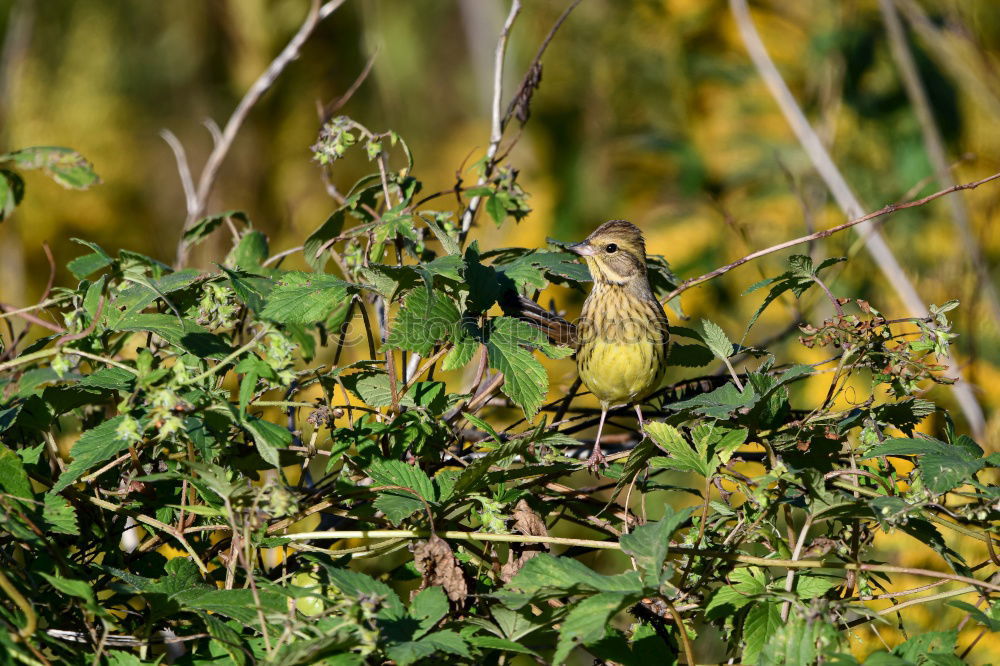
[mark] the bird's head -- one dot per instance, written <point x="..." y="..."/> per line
<point x="615" y="253"/>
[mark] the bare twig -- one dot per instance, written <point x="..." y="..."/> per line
<point x="183" y="168"/>
<point x="326" y="112"/>
<point x="891" y="208"/>
<point x="496" y="126"/>
<point x="225" y="141"/>
<point x="848" y="202"/>
<point x="534" y="67"/>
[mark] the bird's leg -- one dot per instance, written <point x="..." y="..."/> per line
<point x="642" y="424"/>
<point x="597" y="459"/>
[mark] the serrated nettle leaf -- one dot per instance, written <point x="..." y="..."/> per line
<point x="314" y="248"/>
<point x="305" y="298"/>
<point x="95" y="446"/>
<point x="763" y="620"/>
<point x="399" y="473"/>
<point x="426" y="318"/>
<point x="716" y="339"/>
<point x="525" y="379"/>
<point x="801" y="265"/>
<point x="682" y="456"/>
<point x="59" y="515"/>
<point x="13" y="478"/>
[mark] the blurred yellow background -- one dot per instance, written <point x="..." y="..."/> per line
<point x="648" y="110"/>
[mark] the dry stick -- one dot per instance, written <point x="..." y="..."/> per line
<point x="891" y="208"/>
<point x="935" y="150"/>
<point x="874" y="241"/>
<point x="536" y="60"/>
<point x="225" y="140"/>
<point x="496" y="125"/>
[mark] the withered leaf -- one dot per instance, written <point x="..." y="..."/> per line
<point x="529" y="523"/>
<point x="438" y="566"/>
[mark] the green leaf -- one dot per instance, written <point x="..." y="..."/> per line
<point x="551" y="575"/>
<point x="13" y="479"/>
<point x="459" y="356"/>
<point x="240" y="605"/>
<point x="681" y="456"/>
<point x="990" y="621"/>
<point x="475" y="473"/>
<point x="203" y="228"/>
<point x="763" y="620"/>
<point x="399" y="473"/>
<point x="11" y="192"/>
<point x="269" y="437"/>
<point x="689" y="356"/>
<point x="525" y="379"/>
<point x="251" y="251"/>
<point x="587" y="621"/>
<point x="182" y="333"/>
<point x="330" y="229"/>
<point x="721" y="403"/>
<point x="226" y="637"/>
<point x="425" y="319"/>
<point x="716" y="339"/>
<point x="356" y="585"/>
<point x="59" y="515"/>
<point x="746" y="584"/>
<point x="943" y="473"/>
<point x="95" y="446"/>
<point x="813" y="587"/>
<point x="304" y="298"/>
<point x="64" y="165"/>
<point x="648" y="544"/>
<point x="429" y="606"/>
<point x="391" y="281"/>
<point x="725" y="602"/>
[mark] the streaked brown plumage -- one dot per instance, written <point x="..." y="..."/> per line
<point x="623" y="335"/>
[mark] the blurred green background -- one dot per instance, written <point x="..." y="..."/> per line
<point x="648" y="110"/>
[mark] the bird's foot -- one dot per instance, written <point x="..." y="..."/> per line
<point x="597" y="461"/>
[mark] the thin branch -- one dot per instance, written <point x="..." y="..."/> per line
<point x="496" y="126"/>
<point x="874" y="241"/>
<point x="891" y="208"/>
<point x="536" y="62"/>
<point x="335" y="105"/>
<point x="224" y="142"/>
<point x="183" y="168"/>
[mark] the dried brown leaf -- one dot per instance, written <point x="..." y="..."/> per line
<point x="529" y="523"/>
<point x="438" y="566"/>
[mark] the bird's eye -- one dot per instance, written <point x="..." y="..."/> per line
<point x="610" y="247"/>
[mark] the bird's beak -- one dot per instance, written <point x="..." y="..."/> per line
<point x="583" y="249"/>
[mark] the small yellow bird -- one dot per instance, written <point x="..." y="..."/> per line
<point x="623" y="334"/>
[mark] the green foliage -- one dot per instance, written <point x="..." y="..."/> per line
<point x="212" y="411"/>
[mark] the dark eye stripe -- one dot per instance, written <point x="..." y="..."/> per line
<point x="610" y="247"/>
